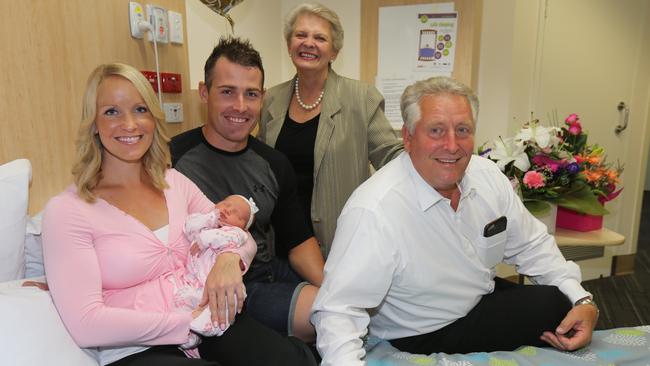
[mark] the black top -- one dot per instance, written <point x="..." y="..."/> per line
<point x="297" y="141"/>
<point x="257" y="171"/>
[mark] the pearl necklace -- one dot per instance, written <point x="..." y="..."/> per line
<point x="308" y="107"/>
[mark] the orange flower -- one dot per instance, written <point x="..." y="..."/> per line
<point x="612" y="176"/>
<point x="593" y="159"/>
<point x="593" y="175"/>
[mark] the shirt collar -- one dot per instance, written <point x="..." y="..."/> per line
<point x="468" y="184"/>
<point x="426" y="195"/>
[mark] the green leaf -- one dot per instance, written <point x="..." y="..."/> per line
<point x="581" y="199"/>
<point x="537" y="207"/>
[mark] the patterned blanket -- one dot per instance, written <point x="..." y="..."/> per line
<point x="612" y="347"/>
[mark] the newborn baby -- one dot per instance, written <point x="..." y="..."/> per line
<point x="212" y="233"/>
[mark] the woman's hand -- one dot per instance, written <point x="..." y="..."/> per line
<point x="224" y="288"/>
<point x="41" y="285"/>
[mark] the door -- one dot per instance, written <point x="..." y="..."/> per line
<point x="593" y="53"/>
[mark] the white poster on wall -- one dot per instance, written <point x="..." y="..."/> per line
<point x="410" y="39"/>
<point x="391" y="88"/>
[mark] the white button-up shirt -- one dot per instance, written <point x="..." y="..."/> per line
<point x="404" y="263"/>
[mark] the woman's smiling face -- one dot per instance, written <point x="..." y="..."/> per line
<point x="124" y="123"/>
<point x="310" y="45"/>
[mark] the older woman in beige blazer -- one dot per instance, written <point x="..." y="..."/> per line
<point x="329" y="126"/>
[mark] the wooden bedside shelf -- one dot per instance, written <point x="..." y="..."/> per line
<point x="601" y="237"/>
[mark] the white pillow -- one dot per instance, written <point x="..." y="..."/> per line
<point x="14" y="188"/>
<point x="32" y="332"/>
<point x="34" y="247"/>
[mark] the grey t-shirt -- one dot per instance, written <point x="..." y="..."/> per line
<point x="257" y="171"/>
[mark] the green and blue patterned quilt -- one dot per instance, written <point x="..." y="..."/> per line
<point x="612" y="347"/>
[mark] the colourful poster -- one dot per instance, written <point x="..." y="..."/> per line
<point x="437" y="41"/>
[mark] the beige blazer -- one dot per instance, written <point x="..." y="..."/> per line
<point x="351" y="131"/>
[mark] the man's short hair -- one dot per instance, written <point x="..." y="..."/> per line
<point x="236" y="50"/>
<point x="410" y="101"/>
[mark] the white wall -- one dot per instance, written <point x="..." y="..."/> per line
<point x="257" y="20"/>
<point x="261" y="21"/>
<point x="495" y="69"/>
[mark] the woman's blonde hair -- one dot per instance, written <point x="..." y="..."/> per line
<point x="88" y="162"/>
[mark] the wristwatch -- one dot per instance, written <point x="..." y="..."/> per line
<point x="588" y="300"/>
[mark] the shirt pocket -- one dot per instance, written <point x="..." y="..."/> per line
<point x="490" y="250"/>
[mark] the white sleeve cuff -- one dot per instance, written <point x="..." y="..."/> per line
<point x="573" y="290"/>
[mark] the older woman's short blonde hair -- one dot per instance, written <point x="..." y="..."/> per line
<point x="318" y="10"/>
<point x="88" y="161"/>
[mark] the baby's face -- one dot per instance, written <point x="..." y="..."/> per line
<point x="234" y="211"/>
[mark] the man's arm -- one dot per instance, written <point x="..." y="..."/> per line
<point x="528" y="244"/>
<point x="358" y="274"/>
<point x="537" y="255"/>
<point x="307" y="260"/>
<point x="224" y="286"/>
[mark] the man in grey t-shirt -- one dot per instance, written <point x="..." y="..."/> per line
<point x="222" y="159"/>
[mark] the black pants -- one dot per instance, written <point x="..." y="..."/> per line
<point x="246" y="343"/>
<point x="512" y="316"/>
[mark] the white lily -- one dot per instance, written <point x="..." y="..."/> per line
<point x="507" y="150"/>
<point x="542" y="136"/>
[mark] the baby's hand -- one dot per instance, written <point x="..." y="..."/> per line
<point x="195" y="249"/>
<point x="196" y="312"/>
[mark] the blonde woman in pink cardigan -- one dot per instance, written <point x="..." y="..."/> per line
<point x="114" y="241"/>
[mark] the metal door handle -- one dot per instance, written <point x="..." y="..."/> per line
<point x="624" y="113"/>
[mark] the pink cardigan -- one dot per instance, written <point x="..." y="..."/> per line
<point x="101" y="262"/>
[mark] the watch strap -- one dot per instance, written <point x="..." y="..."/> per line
<point x="588" y="300"/>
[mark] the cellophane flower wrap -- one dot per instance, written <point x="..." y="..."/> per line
<point x="550" y="164"/>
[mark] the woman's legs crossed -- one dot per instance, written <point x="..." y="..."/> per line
<point x="168" y="355"/>
<point x="247" y="342"/>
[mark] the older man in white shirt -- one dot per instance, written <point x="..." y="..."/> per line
<point x="416" y="245"/>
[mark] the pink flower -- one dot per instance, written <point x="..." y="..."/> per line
<point x="534" y="180"/>
<point x="545" y="161"/>
<point x="575" y="129"/>
<point x="571" y="119"/>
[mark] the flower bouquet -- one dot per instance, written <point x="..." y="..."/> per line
<point x="556" y="165"/>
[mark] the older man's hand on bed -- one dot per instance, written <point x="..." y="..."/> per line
<point x="575" y="330"/>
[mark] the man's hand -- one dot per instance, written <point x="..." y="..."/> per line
<point x="223" y="284"/>
<point x="575" y="330"/>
